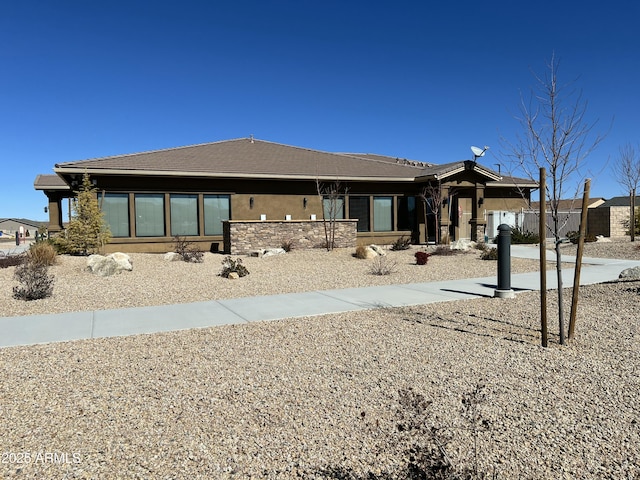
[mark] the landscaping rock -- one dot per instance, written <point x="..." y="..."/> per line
<point x="379" y="251"/>
<point x="233" y="276"/>
<point x="463" y="245"/>
<point x="123" y="260"/>
<point x="630" y="274"/>
<point x="369" y="253"/>
<point x="273" y="251"/>
<point x="602" y="239"/>
<point x="172" y="257"/>
<point x="102" y="266"/>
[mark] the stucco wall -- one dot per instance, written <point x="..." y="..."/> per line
<point x="243" y="236"/>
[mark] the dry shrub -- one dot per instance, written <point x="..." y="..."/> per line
<point x="42" y="253"/>
<point x="35" y="281"/>
<point x="361" y="252"/>
<point x="381" y="265"/>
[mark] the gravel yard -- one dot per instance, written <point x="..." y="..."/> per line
<point x="323" y="397"/>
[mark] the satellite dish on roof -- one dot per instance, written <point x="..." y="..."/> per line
<point x="478" y="152"/>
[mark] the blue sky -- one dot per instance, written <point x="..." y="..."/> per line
<point x="419" y="80"/>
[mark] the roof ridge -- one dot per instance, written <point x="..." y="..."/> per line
<point x="123" y="155"/>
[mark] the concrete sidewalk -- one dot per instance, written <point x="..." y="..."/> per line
<point x="35" y="329"/>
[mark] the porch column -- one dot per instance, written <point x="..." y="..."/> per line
<point x="444" y="214"/>
<point x="478" y="222"/>
<point x="55" y="212"/>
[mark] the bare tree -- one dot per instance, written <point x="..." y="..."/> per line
<point x="431" y="196"/>
<point x="332" y="198"/>
<point x="627" y="171"/>
<point x="557" y="136"/>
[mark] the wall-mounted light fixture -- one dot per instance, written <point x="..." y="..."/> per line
<point x="250" y="202"/>
<point x="480" y="200"/>
<point x="46" y="209"/>
<point x="304" y="203"/>
<point x="445" y="201"/>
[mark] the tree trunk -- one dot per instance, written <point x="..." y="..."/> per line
<point x="560" y="303"/>
<point x="632" y="217"/>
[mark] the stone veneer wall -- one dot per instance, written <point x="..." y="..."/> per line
<point x="242" y="236"/>
<point x="608" y="221"/>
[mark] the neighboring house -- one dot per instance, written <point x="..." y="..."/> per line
<point x="225" y="192"/>
<point x="9" y="226"/>
<point x="609" y="218"/>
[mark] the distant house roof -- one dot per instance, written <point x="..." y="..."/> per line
<point x="20" y="221"/>
<point x="619" y="202"/>
<point x="252" y="158"/>
<point x="572" y="204"/>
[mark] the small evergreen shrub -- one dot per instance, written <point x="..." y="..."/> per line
<point x="422" y="258"/>
<point x="42" y="253"/>
<point x="519" y="237"/>
<point x="229" y="265"/>
<point x="401" y="243"/>
<point x="7" y="261"/>
<point x="35" y="281"/>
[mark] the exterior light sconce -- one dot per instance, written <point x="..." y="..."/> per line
<point x="480" y="200"/>
<point x="46" y="209"/>
<point x="304" y="203"/>
<point x="250" y="202"/>
<point x="445" y="201"/>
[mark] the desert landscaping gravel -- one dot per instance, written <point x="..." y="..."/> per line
<point x="325" y="396"/>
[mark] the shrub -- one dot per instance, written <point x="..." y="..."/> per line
<point x="401" y="243"/>
<point x="519" y="237"/>
<point x="422" y="258"/>
<point x="444" y="250"/>
<point x="229" y="265"/>
<point x="287" y="245"/>
<point x="42" y="253"/>
<point x="361" y="252"/>
<point x="489" y="254"/>
<point x="381" y="265"/>
<point x="36" y="283"/>
<point x="187" y="250"/>
<point x="575" y="236"/>
<point x="11" y="260"/>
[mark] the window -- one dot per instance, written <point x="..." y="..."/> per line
<point x="184" y="214"/>
<point x="407" y="213"/>
<point x="216" y="211"/>
<point x="149" y="215"/>
<point x="359" y="208"/>
<point x="382" y="214"/>
<point x="115" y="207"/>
<point x="333" y="208"/>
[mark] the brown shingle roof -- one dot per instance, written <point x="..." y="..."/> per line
<point x="49" y="182"/>
<point x="244" y="158"/>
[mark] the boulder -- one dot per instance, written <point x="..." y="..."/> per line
<point x="233" y="276"/>
<point x="273" y="251"/>
<point x="123" y="260"/>
<point x="369" y="253"/>
<point x="630" y="274"/>
<point x="172" y="257"/>
<point x="602" y="239"/>
<point x="463" y="245"/>
<point x="102" y="266"/>
<point x="378" y="250"/>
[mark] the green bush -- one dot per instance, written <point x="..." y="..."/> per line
<point x="520" y="237"/>
<point x="229" y="265"/>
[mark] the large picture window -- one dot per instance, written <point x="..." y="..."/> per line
<point x="382" y="214"/>
<point x="184" y="214"/>
<point x="149" y="215"/>
<point x="115" y="207"/>
<point x="333" y="208"/>
<point x="216" y="211"/>
<point x="359" y="208"/>
<point x="407" y="213"/>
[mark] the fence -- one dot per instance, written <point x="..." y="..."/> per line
<point x="528" y="221"/>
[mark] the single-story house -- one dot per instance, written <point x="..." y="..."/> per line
<point x="224" y="192"/>
<point x="9" y="226"/>
<point x="611" y="218"/>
